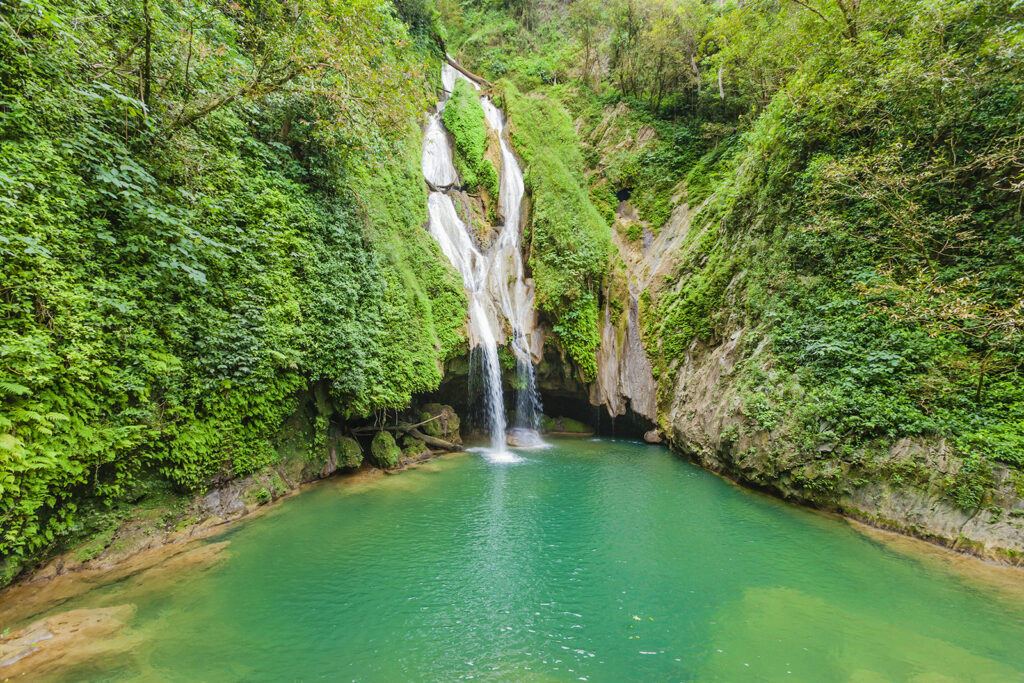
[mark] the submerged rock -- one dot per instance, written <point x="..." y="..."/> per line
<point x="63" y="640"/>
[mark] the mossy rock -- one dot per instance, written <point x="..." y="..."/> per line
<point x="96" y="545"/>
<point x="258" y="496"/>
<point x="563" y="425"/>
<point x="446" y="426"/>
<point x="413" y="448"/>
<point x="385" y="451"/>
<point x="349" y="452"/>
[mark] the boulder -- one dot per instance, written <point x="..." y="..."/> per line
<point x="518" y="437"/>
<point x="653" y="436"/>
<point x="385" y="451"/>
<point x="445" y="427"/>
<point x="350" y="453"/>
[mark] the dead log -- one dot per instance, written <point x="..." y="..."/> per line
<point x="466" y="72"/>
<point x="432" y="441"/>
<point x="412" y="430"/>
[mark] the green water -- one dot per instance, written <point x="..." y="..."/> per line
<point x="601" y="561"/>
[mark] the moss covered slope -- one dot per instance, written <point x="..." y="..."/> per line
<point x="199" y="232"/>
<point x="464" y="119"/>
<point x="569" y="241"/>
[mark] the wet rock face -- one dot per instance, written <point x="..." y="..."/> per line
<point x="624" y="376"/>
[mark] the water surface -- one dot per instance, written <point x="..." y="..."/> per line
<point x="591" y="560"/>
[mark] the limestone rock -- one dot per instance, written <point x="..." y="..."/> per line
<point x="623" y="370"/>
<point x="49" y="645"/>
<point x="518" y="437"/>
<point x="653" y="436"/>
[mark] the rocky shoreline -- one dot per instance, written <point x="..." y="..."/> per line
<point x="700" y="407"/>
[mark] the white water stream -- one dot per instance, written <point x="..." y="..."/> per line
<point x="500" y="297"/>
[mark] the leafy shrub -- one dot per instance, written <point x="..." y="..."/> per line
<point x="464" y="119"/>
<point x="178" y="273"/>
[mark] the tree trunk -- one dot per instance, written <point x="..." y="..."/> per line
<point x="148" y="59"/>
<point x="432" y="441"/>
<point x="466" y="72"/>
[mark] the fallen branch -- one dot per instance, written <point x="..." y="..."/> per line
<point x="466" y="72"/>
<point x="412" y="430"/>
<point x="432" y="441"/>
<point x="400" y="427"/>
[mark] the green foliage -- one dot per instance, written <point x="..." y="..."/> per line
<point x="970" y="483"/>
<point x="385" y="451"/>
<point x="570" y="243"/>
<point x="464" y="119"/>
<point x="503" y="43"/>
<point x="879" y="254"/>
<point x="177" y="274"/>
<point x="260" y="496"/>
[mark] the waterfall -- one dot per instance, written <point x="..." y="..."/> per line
<point x="498" y="292"/>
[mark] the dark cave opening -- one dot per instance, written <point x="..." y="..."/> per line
<point x="562" y="396"/>
<point x="579" y="408"/>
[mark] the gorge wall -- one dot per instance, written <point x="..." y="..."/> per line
<point x="788" y="240"/>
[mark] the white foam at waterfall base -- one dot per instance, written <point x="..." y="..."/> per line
<point x="505" y="457"/>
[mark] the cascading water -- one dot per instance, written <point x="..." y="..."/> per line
<point x="514" y="294"/>
<point x="498" y="292"/>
